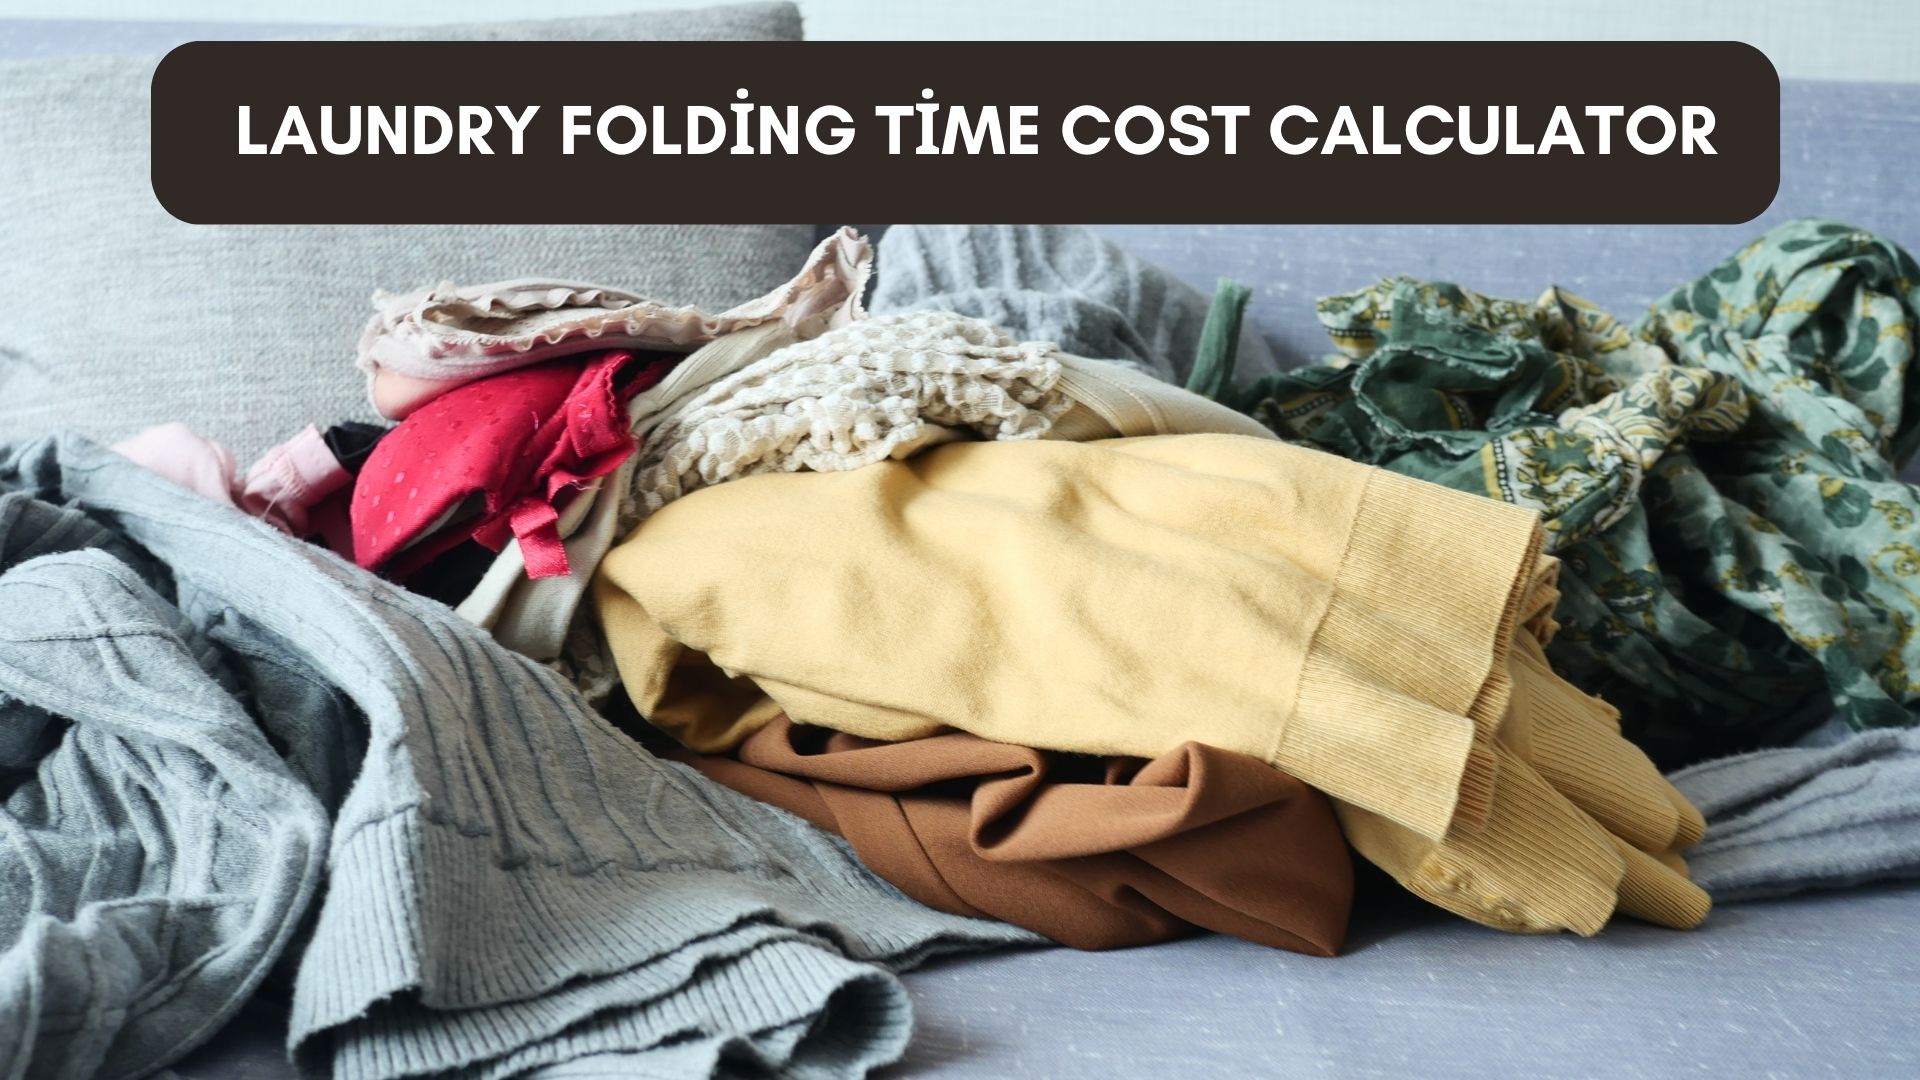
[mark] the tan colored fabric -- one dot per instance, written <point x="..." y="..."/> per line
<point x="1119" y="598"/>
<point x="1582" y="824"/>
<point x="1094" y="853"/>
<point x="1376" y="636"/>
<point x="1116" y="401"/>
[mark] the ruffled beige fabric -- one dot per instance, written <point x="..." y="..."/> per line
<point x="423" y="343"/>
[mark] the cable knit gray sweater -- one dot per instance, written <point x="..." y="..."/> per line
<point x="219" y="745"/>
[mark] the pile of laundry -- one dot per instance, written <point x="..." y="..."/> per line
<point x="1052" y="641"/>
<point x="1044" y="643"/>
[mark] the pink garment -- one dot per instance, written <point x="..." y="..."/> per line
<point x="282" y="487"/>
<point x="178" y="453"/>
<point x="291" y="479"/>
<point x="507" y="452"/>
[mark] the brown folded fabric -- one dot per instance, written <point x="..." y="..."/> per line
<point x="1094" y="853"/>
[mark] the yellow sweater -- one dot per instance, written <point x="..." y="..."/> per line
<point x="1345" y="624"/>
<point x="1378" y="637"/>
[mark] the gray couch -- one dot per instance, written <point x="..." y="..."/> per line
<point x="1817" y="985"/>
<point x="1812" y="986"/>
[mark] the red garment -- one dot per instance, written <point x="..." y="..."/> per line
<point x="519" y="443"/>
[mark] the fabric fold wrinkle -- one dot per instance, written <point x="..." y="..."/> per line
<point x="1094" y="853"/>
<point x="1358" y="631"/>
<point x="501" y="879"/>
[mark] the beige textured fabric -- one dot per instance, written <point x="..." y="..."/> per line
<point x="1582" y="825"/>
<point x="423" y="343"/>
<point x="894" y="386"/>
<point x="858" y="394"/>
<point x="1113" y="401"/>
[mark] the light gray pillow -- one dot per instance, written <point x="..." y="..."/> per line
<point x="117" y="316"/>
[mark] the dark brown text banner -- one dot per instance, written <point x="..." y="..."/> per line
<point x="1178" y="132"/>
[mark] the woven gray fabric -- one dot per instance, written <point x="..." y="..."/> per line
<point x="120" y="317"/>
<point x="207" y="727"/>
<point x="1058" y="283"/>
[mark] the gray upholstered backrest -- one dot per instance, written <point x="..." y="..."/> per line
<point x="118" y="316"/>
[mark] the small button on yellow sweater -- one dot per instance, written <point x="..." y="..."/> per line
<point x="1349" y="626"/>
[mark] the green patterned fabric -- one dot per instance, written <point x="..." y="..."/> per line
<point x="1720" y="480"/>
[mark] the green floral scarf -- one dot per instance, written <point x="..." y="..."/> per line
<point x="1720" y="480"/>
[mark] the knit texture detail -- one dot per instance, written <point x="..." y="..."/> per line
<point x="1406" y="683"/>
<point x="1581" y="826"/>
<point x="879" y="388"/>
<point x="250" y="728"/>
<point x="1840" y="810"/>
<point x="565" y="960"/>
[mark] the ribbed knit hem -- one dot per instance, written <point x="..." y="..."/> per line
<point x="1406" y="679"/>
<point x="431" y="955"/>
<point x="1547" y="867"/>
<point x="1575" y="745"/>
<point x="759" y="992"/>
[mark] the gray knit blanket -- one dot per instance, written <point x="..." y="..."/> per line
<point x="228" y="757"/>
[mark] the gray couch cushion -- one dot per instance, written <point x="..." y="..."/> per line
<point x="1816" y="986"/>
<point x="1846" y="153"/>
<point x="119" y="316"/>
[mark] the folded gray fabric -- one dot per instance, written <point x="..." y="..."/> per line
<point x="1825" y="814"/>
<point x="1058" y="283"/>
<point x="207" y="729"/>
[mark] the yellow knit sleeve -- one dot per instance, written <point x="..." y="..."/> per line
<point x="1118" y="597"/>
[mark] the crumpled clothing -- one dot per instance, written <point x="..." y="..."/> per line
<point x="185" y="457"/>
<point x="284" y="487"/>
<point x="879" y="388"/>
<point x="1720" y="481"/>
<point x="1095" y="853"/>
<point x="1025" y="591"/>
<point x="292" y="479"/>
<point x="1083" y="400"/>
<point x="223" y="749"/>
<point x="422" y="344"/>
<point x="536" y="617"/>
<point x="519" y="445"/>
<point x="1354" y="628"/>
